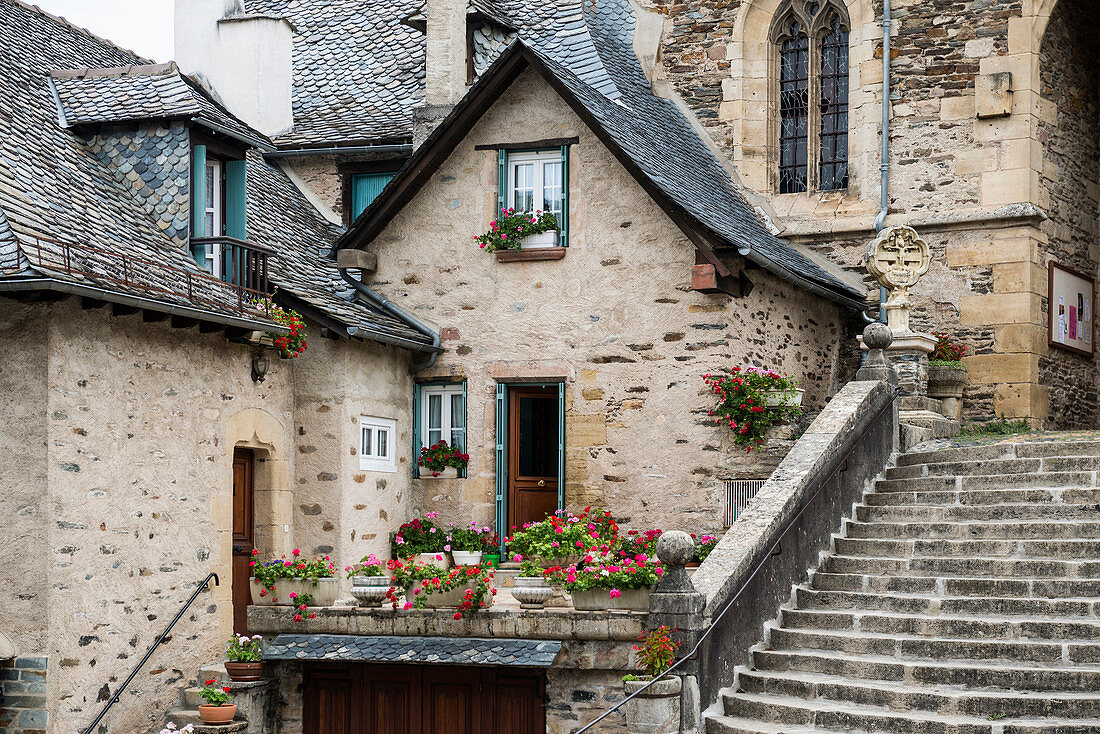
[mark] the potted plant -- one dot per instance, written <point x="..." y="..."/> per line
<point x="467" y="545"/>
<point x="635" y="542"/>
<point x="516" y="230"/>
<point x="423" y="539"/>
<point x="466" y="588"/>
<point x="369" y="581"/>
<point x="266" y="579"/>
<point x="703" y="547"/>
<point x="656" y="710"/>
<point x="490" y="549"/>
<point x="243" y="658"/>
<point x="564" y="539"/>
<point x="289" y="345"/>
<point x="605" y="581"/>
<point x="442" y="461"/>
<point x="947" y="376"/>
<point x="217" y="709"/>
<point x="752" y="400"/>
<point x="530" y="588"/>
<point x="315" y="579"/>
<point x="170" y="728"/>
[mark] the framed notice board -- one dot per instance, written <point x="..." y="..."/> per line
<point x="1072" y="298"/>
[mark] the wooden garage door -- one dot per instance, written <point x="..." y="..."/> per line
<point x="414" y="699"/>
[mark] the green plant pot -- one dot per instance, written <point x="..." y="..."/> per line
<point x="493" y="559"/>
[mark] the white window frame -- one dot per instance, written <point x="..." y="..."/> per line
<point x="539" y="159"/>
<point x="373" y="460"/>
<point x="215" y="215"/>
<point x="446" y="424"/>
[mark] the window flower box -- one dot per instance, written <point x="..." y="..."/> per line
<point x="446" y="473"/>
<point x="541" y="240"/>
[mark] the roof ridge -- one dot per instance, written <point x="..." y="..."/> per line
<point x="79" y="29"/>
<point x="86" y="72"/>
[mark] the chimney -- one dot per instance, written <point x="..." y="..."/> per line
<point x="444" y="64"/>
<point x="244" y="59"/>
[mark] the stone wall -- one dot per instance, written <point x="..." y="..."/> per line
<point x="23" y="696"/>
<point x="638" y="438"/>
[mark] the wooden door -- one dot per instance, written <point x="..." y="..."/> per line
<point x="328" y="701"/>
<point x="244" y="536"/>
<point x="532" y="454"/>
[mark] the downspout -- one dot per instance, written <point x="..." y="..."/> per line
<point x="394" y="310"/>
<point x="884" y="163"/>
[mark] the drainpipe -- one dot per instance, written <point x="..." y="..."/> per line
<point x="394" y="310"/>
<point x="884" y="164"/>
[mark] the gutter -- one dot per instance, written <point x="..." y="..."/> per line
<point x="396" y="311"/>
<point x="250" y="141"/>
<point x="341" y="150"/>
<point x="792" y="277"/>
<point x="76" y="289"/>
<point x="884" y="164"/>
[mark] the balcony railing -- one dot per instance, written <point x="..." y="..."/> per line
<point x="146" y="277"/>
<point x="239" y="261"/>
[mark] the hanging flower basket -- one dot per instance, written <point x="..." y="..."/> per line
<point x="289" y="345"/>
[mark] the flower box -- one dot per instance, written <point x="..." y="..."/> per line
<point x="447" y="473"/>
<point x="539" y="241"/>
<point x="466" y="558"/>
<point x="784" y="398"/>
<point x="324" y="591"/>
<point x="450" y="598"/>
<point x="438" y="559"/>
<point x="600" y="600"/>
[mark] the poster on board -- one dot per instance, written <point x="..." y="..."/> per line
<point x="1071" y="300"/>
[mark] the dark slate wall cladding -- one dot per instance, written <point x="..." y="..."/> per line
<point x="153" y="162"/>
<point x="23" y="696"/>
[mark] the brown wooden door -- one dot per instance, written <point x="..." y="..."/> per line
<point x="328" y="701"/>
<point x="244" y="536"/>
<point x="532" y="454"/>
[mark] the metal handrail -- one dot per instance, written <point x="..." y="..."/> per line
<point x="839" y="466"/>
<point x="157" y="643"/>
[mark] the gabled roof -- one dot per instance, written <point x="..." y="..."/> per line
<point x="143" y="92"/>
<point x="649" y="135"/>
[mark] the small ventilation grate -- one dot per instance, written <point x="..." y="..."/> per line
<point x="739" y="492"/>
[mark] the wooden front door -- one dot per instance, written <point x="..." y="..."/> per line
<point x="532" y="454"/>
<point x="350" y="698"/>
<point x="244" y="536"/>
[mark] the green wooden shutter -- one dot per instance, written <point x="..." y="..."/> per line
<point x="198" y="201"/>
<point x="564" y="223"/>
<point x="502" y="463"/>
<point x="236" y="217"/>
<point x="417" y="445"/>
<point x="365" y="188"/>
<point x="561" y="446"/>
<point x="502" y="182"/>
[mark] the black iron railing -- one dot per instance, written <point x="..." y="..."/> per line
<point x="838" y="466"/>
<point x="161" y="639"/>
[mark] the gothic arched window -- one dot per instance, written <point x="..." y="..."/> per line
<point x="812" y="43"/>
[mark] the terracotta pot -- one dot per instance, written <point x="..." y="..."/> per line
<point x="212" y="714"/>
<point x="243" y="672"/>
<point x="531" y="592"/>
<point x="656" y="710"/>
<point x="600" y="600"/>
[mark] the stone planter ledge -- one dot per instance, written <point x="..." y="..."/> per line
<point x="542" y="624"/>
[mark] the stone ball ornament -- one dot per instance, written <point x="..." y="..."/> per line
<point x="898" y="259"/>
<point x="675" y="548"/>
<point x="878" y="336"/>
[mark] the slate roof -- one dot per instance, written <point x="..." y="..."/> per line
<point x="588" y="51"/>
<point x="144" y="92"/>
<point x="431" y="650"/>
<point x="67" y="222"/>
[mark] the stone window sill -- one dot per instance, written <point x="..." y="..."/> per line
<point x="527" y="256"/>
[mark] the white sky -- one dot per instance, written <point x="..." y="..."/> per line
<point x="143" y="26"/>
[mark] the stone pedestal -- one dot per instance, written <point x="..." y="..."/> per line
<point x="908" y="355"/>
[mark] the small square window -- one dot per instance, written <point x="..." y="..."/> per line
<point x="376" y="444"/>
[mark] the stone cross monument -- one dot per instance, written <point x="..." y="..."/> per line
<point x="897" y="260"/>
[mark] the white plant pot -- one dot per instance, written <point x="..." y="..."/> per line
<point x="531" y="592"/>
<point x="451" y="598"/>
<point x="600" y="600"/>
<point x="467" y="558"/>
<point x="540" y="241"/>
<point x="266" y="599"/>
<point x="656" y="710"/>
<point x="784" y="398"/>
<point x="448" y="473"/>
<point x="370" y="591"/>
<point x="439" y="559"/>
<point x="324" y="591"/>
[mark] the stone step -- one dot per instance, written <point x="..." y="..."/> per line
<point x="915" y="548"/>
<point x="833" y="599"/>
<point x="1070" y="479"/>
<point x="967" y="567"/>
<point x="983" y="674"/>
<point x="1023" y="450"/>
<point x="946" y="626"/>
<point x="903" y="648"/>
<point x="976" y="530"/>
<point x="902" y="697"/>
<point x="1050" y="588"/>
<point x="983" y="497"/>
<point x="969" y="513"/>
<point x="181" y="717"/>
<point x="996" y="467"/>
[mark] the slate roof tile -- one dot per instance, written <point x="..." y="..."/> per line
<point x="437" y="650"/>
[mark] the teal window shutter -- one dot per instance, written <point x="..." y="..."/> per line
<point x="236" y="217"/>
<point x="502" y="463"/>
<point x="198" y="201"/>
<point x="561" y="446"/>
<point x="417" y="444"/>
<point x="564" y="223"/>
<point x="365" y="188"/>
<point x="502" y="182"/>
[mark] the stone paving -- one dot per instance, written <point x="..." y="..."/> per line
<point x="1029" y="437"/>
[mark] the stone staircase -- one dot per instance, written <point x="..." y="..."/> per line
<point x="962" y="598"/>
<point x="249" y="697"/>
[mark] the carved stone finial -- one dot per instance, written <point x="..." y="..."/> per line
<point x="877" y="337"/>
<point x="675" y="549"/>
<point x="897" y="260"/>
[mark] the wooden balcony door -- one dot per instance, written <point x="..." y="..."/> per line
<point x="533" y="454"/>
<point x="244" y="535"/>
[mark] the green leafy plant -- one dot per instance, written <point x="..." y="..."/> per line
<point x="635" y="542"/>
<point x="566" y="534"/>
<point x="607" y="571"/>
<point x="947" y="350"/>
<point x="508" y="231"/>
<point x="213" y="695"/>
<point x="997" y="427"/>
<point x="743" y="402"/>
<point x="420" y="581"/>
<point x="440" y="456"/>
<point x="469" y="540"/>
<point x="529" y="569"/>
<point x="420" y="535"/>
<point x="368" y="565"/>
<point x="244" y="649"/>
<point x="703" y="547"/>
<point x="657" y="650"/>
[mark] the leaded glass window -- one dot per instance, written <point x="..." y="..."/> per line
<point x="794" y="109"/>
<point x="834" y="107"/>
